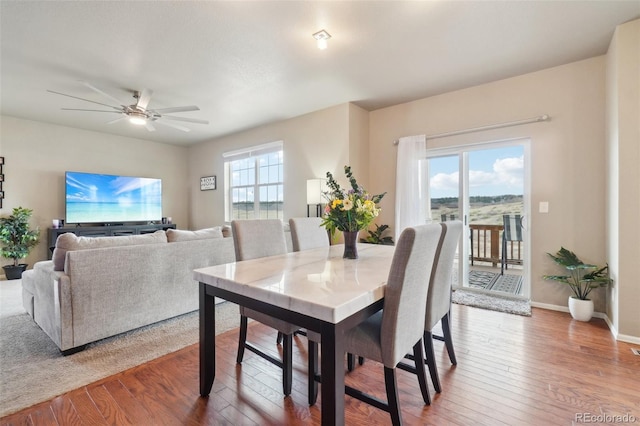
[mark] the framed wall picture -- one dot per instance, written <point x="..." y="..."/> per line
<point x="207" y="183"/>
<point x="1" y="195"/>
<point x="1" y="160"/>
<point x="1" y="178"/>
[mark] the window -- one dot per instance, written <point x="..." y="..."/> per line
<point x="254" y="182"/>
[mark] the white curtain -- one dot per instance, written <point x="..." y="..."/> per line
<point x="411" y="181"/>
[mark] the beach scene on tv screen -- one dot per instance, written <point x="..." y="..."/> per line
<point x="93" y="198"/>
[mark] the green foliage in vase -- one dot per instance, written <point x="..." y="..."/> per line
<point x="349" y="210"/>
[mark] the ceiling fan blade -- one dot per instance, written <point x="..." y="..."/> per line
<point x="175" y="126"/>
<point x="124" y="117"/>
<point x="149" y="126"/>
<point x="86" y="100"/>
<point x="143" y="98"/>
<point x="177" y="109"/>
<point x="106" y="95"/>
<point x="188" y="120"/>
<point x="91" y="110"/>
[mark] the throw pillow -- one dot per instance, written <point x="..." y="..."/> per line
<point x="176" y="235"/>
<point x="70" y="241"/>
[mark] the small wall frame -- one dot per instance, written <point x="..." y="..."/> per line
<point x="207" y="183"/>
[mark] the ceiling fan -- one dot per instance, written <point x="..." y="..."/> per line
<point x="138" y="113"/>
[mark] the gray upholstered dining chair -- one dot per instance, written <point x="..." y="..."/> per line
<point x="439" y="299"/>
<point x="253" y="239"/>
<point x="308" y="233"/>
<point x="438" y="306"/>
<point x="388" y="335"/>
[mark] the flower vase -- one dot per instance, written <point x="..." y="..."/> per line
<point x="350" y="244"/>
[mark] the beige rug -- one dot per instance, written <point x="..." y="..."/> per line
<point x="493" y="302"/>
<point x="32" y="369"/>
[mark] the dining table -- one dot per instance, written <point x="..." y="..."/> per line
<point x="316" y="289"/>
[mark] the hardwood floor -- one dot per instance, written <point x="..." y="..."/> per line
<point x="545" y="369"/>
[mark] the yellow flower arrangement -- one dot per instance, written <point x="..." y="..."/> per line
<point x="349" y="210"/>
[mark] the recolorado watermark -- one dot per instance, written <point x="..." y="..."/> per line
<point x="605" y="418"/>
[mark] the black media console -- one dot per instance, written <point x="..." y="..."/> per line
<point x="104" y="231"/>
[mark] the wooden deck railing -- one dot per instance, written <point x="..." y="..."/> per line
<point x="486" y="245"/>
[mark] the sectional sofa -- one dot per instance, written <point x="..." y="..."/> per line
<point x="95" y="288"/>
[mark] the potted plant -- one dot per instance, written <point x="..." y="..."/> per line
<point x="376" y="237"/>
<point x="582" y="279"/>
<point x="17" y="240"/>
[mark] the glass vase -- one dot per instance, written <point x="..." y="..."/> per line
<point x="350" y="244"/>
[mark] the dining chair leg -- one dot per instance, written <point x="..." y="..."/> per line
<point x="391" y="386"/>
<point x="430" y="358"/>
<point x="418" y="354"/>
<point x="287" y="364"/>
<point x="242" y="339"/>
<point x="351" y="362"/>
<point x="313" y="372"/>
<point x="279" y="338"/>
<point x="503" y="262"/>
<point x="448" y="340"/>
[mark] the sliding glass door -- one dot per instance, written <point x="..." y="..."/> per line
<point x="485" y="186"/>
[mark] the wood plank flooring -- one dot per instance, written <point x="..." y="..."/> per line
<point x="541" y="370"/>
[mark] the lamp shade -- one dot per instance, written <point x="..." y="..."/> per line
<point x="315" y="188"/>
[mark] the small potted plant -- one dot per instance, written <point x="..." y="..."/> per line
<point x="582" y="279"/>
<point x="377" y="237"/>
<point x="17" y="240"/>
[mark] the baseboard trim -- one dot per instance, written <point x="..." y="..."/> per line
<point x="602" y="315"/>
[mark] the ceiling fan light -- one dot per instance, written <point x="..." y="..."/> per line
<point x="138" y="119"/>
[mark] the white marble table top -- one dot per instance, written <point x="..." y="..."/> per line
<point x="318" y="282"/>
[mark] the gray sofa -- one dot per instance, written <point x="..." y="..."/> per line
<point x="95" y="288"/>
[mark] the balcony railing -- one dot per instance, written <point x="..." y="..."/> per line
<point x="486" y="245"/>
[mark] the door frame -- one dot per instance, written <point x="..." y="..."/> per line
<point x="463" y="201"/>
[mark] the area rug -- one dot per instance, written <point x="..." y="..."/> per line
<point x="492" y="302"/>
<point x="33" y="370"/>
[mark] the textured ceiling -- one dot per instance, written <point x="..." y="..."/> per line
<point x="249" y="63"/>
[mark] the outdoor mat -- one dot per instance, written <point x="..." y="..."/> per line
<point x="482" y="279"/>
<point x="492" y="281"/>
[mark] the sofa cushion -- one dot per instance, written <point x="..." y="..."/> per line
<point x="226" y="231"/>
<point x="69" y="242"/>
<point x="175" y="235"/>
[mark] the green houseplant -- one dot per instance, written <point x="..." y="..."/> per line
<point x="17" y="240"/>
<point x="377" y="236"/>
<point x="582" y="279"/>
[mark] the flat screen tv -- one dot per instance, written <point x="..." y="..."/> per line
<point x="98" y="198"/>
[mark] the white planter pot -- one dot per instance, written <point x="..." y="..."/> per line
<point x="581" y="310"/>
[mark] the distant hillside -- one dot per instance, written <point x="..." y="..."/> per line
<point x="486" y="210"/>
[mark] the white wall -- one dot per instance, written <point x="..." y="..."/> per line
<point x="567" y="154"/>
<point x="623" y="197"/>
<point x="313" y="144"/>
<point x="37" y="155"/>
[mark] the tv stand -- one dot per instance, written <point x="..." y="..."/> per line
<point x="108" y="230"/>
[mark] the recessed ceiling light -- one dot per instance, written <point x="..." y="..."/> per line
<point x="321" y="39"/>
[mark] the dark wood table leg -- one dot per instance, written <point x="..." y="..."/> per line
<point x="332" y="372"/>
<point x="207" y="340"/>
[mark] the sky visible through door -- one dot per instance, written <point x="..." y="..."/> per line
<point x="496" y="184"/>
